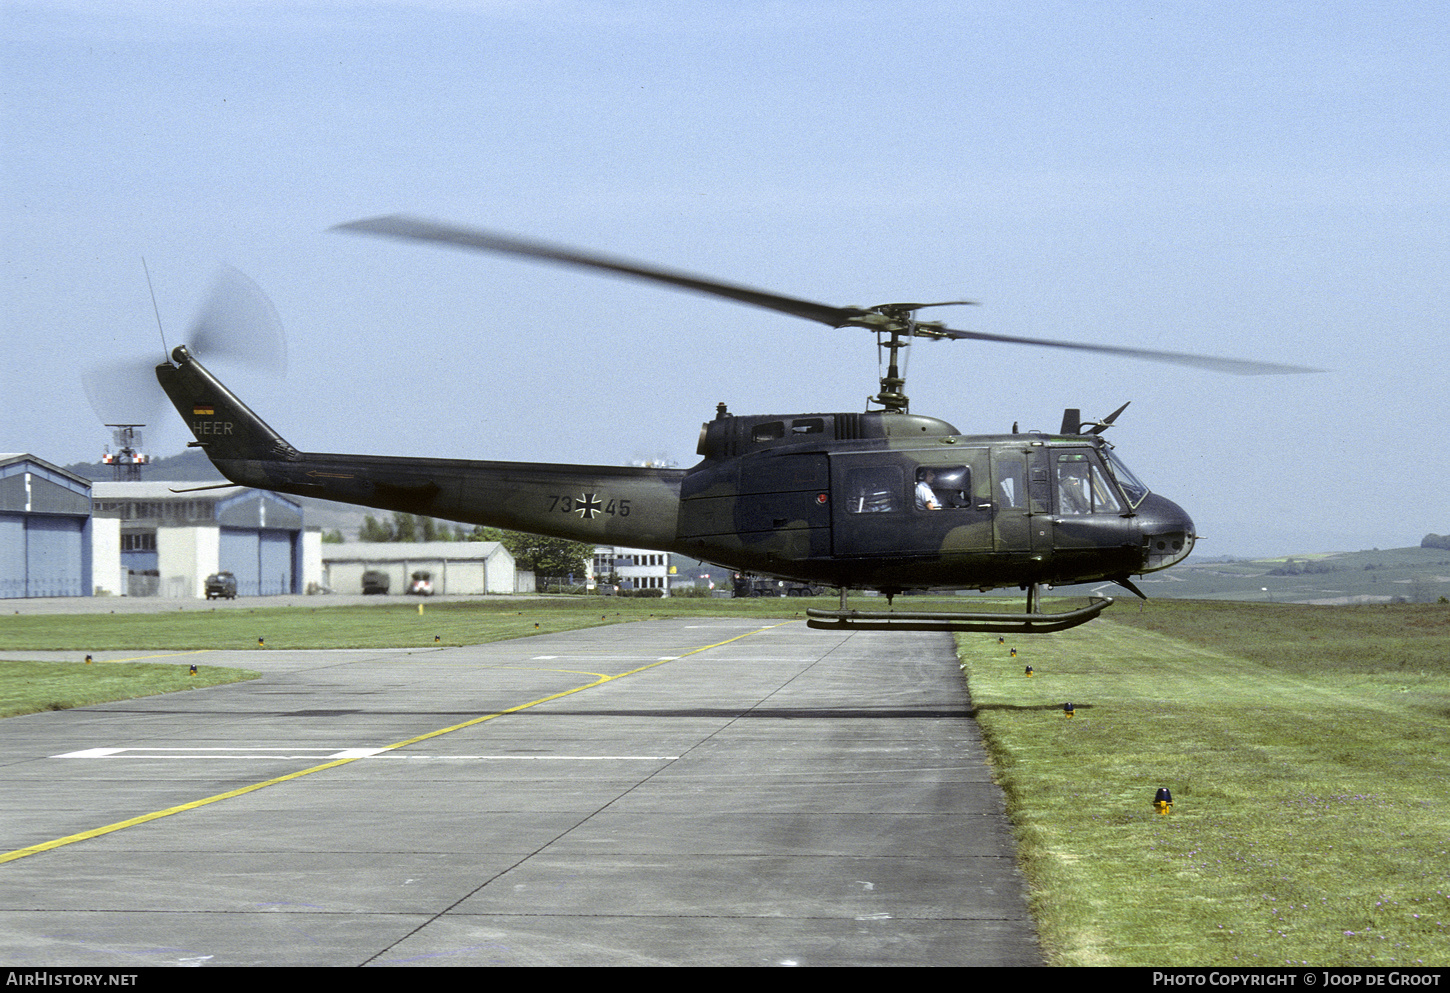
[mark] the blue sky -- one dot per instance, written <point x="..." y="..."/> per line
<point x="1261" y="181"/>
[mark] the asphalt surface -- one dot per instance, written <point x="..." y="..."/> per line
<point x="770" y="795"/>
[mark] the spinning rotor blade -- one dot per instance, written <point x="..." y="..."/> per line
<point x="239" y="322"/>
<point x="923" y="306"/>
<point x="236" y="322"/>
<point x="399" y="226"/>
<point x="1239" y="367"/>
<point x="880" y="318"/>
<point x="125" y="392"/>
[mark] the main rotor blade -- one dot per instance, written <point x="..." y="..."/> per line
<point x="1238" y="367"/>
<point x="400" y="226"/>
<point x="412" y="228"/>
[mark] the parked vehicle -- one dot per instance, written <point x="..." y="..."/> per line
<point x="375" y="581"/>
<point x="747" y="585"/>
<point x="221" y="584"/>
<point x="422" y="584"/>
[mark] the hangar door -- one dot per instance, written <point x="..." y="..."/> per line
<point x="12" y="556"/>
<point x="262" y="561"/>
<point x="41" y="556"/>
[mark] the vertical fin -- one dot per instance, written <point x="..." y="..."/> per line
<point x="224" y="427"/>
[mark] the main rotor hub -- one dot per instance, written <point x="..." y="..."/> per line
<point x="897" y="320"/>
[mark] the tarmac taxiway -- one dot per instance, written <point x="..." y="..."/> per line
<point x="688" y="791"/>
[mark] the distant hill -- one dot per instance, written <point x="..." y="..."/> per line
<point x="1414" y="575"/>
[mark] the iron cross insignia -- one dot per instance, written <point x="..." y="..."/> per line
<point x="588" y="505"/>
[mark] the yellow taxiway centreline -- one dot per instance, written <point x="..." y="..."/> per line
<point x="46" y="846"/>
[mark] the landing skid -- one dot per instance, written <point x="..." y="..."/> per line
<point x="1031" y="622"/>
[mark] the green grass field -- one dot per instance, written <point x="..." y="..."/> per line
<point x="388" y="624"/>
<point x="1308" y="754"/>
<point x="1307" y="750"/>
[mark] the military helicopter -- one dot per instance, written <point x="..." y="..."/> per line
<point x="881" y="499"/>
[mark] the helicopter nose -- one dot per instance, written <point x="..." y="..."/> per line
<point x="1167" y="531"/>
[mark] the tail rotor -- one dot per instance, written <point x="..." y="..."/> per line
<point x="236" y="323"/>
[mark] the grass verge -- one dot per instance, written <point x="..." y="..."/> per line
<point x="1307" y="750"/>
<point x="30" y="687"/>
<point x="385" y="625"/>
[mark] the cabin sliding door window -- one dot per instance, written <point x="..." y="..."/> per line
<point x="943" y="487"/>
<point x="873" y="489"/>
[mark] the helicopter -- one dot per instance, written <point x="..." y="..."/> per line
<point x="882" y="499"/>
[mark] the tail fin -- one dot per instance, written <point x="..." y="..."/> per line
<point x="225" y="428"/>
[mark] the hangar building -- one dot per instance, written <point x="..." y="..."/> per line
<point x="457" y="567"/>
<point x="151" y="541"/>
<point x="45" y="529"/>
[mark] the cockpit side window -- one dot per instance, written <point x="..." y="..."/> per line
<point x="1083" y="486"/>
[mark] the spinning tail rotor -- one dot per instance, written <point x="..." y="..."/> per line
<point x="236" y="322"/>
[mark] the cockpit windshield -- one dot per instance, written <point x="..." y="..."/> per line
<point x="1133" y="487"/>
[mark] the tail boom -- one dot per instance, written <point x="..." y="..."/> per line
<point x="629" y="506"/>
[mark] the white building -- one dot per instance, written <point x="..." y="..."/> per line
<point x="637" y="568"/>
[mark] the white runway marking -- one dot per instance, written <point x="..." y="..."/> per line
<point x="326" y="754"/>
<point x="224" y="752"/>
